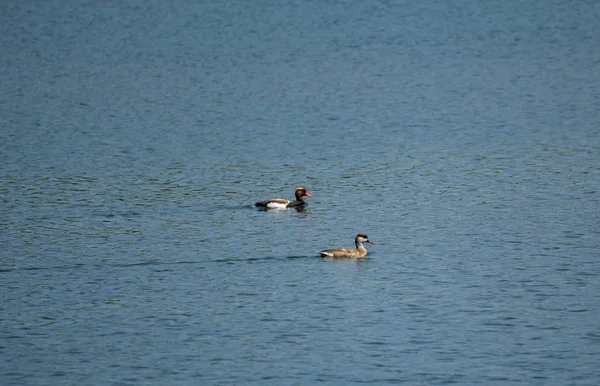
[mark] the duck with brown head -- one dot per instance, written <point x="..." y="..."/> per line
<point x="282" y="203"/>
<point x="357" y="253"/>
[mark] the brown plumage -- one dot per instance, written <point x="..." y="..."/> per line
<point x="280" y="203"/>
<point x="357" y="253"/>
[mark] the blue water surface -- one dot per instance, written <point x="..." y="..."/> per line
<point x="462" y="137"/>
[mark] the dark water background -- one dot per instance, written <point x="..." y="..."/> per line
<point x="462" y="137"/>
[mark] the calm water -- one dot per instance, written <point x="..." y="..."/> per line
<point x="462" y="137"/>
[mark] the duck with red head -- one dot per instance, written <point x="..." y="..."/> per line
<point x="357" y="253"/>
<point x="282" y="203"/>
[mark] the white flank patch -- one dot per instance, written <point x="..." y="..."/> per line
<point x="276" y="205"/>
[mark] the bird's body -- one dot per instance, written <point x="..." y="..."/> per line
<point x="357" y="253"/>
<point x="282" y="203"/>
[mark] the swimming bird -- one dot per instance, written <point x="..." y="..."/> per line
<point x="282" y="203"/>
<point x="359" y="252"/>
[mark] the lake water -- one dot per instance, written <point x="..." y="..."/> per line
<point x="462" y="137"/>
